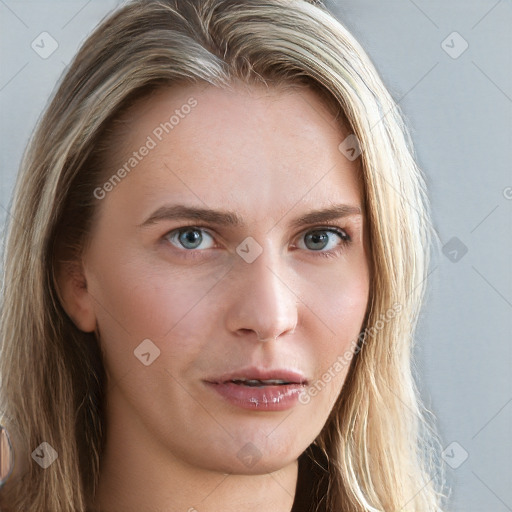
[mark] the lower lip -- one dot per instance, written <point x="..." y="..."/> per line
<point x="265" y="398"/>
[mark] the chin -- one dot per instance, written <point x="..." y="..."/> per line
<point x="254" y="464"/>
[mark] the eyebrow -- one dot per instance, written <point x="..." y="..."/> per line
<point x="232" y="219"/>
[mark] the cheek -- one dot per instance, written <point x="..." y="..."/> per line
<point x="338" y="309"/>
<point x="339" y="298"/>
<point x="136" y="302"/>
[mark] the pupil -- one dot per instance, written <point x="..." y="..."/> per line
<point x="321" y="239"/>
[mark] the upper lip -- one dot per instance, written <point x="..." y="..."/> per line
<point x="253" y="373"/>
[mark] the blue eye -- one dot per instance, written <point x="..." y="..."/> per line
<point x="319" y="239"/>
<point x="188" y="237"/>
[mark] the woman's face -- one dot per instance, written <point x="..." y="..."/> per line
<point x="256" y="285"/>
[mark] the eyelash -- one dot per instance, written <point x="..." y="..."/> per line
<point x="345" y="239"/>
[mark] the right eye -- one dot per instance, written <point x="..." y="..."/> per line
<point x="188" y="237"/>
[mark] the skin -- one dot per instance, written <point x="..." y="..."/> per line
<point x="269" y="155"/>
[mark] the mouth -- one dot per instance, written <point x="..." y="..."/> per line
<point x="258" y="378"/>
<point x="256" y="389"/>
<point x="257" y="383"/>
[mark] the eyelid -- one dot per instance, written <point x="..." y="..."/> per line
<point x="326" y="225"/>
<point x="331" y="226"/>
<point x="313" y="227"/>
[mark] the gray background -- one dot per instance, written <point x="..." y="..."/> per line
<point x="458" y="108"/>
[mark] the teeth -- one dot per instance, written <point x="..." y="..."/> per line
<point x="257" y="382"/>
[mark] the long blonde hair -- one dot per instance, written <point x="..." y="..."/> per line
<point x="378" y="438"/>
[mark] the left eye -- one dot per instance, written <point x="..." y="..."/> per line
<point x="319" y="239"/>
<point x="189" y="238"/>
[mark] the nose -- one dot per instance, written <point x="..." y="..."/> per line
<point x="264" y="303"/>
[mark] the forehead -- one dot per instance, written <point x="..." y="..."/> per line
<point x="249" y="145"/>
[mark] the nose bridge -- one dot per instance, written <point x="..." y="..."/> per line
<point x="265" y="303"/>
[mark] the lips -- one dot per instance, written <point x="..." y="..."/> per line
<point x="259" y="390"/>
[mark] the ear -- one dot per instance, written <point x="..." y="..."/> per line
<point x="74" y="296"/>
